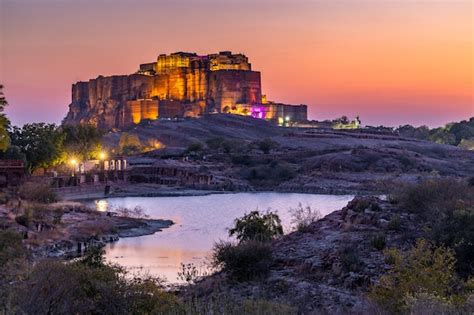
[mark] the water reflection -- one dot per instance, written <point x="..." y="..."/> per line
<point x="200" y="222"/>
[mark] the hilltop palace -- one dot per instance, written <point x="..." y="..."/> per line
<point x="177" y="85"/>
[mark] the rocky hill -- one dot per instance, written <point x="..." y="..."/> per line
<point x="301" y="159"/>
<point x="329" y="267"/>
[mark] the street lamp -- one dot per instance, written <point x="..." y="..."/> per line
<point x="102" y="157"/>
<point x="73" y="163"/>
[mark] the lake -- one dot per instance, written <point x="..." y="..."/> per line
<point x="200" y="221"/>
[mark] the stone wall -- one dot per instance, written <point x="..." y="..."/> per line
<point x="138" y="110"/>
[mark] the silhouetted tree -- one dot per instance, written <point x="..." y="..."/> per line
<point x="4" y="122"/>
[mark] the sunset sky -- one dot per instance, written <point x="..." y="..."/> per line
<point x="390" y="61"/>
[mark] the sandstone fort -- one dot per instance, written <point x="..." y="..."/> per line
<point x="175" y="86"/>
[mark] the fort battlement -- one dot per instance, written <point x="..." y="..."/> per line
<point x="177" y="85"/>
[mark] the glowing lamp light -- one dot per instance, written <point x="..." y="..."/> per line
<point x="73" y="162"/>
<point x="287" y="118"/>
<point x="102" y="155"/>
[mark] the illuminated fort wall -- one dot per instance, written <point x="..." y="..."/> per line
<point x="176" y="85"/>
<point x="229" y="88"/>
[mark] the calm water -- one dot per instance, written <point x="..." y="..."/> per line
<point x="200" y="221"/>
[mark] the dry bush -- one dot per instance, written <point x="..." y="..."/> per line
<point x="137" y="212"/>
<point x="433" y="197"/>
<point x="303" y="217"/>
<point x="38" y="192"/>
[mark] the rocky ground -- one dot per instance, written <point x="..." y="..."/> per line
<point x="304" y="160"/>
<point x="77" y="229"/>
<point x="328" y="267"/>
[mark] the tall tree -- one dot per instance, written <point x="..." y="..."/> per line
<point x="4" y="122"/>
<point x="83" y="141"/>
<point x="41" y="143"/>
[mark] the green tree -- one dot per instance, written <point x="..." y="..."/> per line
<point x="41" y="143"/>
<point x="13" y="153"/>
<point x="257" y="227"/>
<point x="4" y="122"/>
<point x="83" y="141"/>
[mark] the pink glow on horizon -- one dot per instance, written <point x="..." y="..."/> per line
<point x="391" y="62"/>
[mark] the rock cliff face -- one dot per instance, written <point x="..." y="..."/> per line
<point x="102" y="101"/>
<point x="177" y="85"/>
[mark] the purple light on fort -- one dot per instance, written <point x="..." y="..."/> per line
<point x="258" y="112"/>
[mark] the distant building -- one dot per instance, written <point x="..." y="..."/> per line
<point x="178" y="85"/>
<point x="345" y="124"/>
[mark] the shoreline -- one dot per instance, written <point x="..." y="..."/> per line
<point x="184" y="192"/>
<point x="81" y="228"/>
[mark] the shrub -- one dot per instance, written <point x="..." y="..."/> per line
<point x="242" y="160"/>
<point x="362" y="204"/>
<point x="57" y="216"/>
<point x="394" y="223"/>
<point x="13" y="264"/>
<point x="263" y="307"/>
<point x="350" y="259"/>
<point x="137" y="212"/>
<point x="89" y="286"/>
<point x="272" y="174"/>
<point x="188" y="273"/>
<point x="432" y="197"/>
<point x="227" y="146"/>
<point x="392" y="256"/>
<point x="215" y="143"/>
<point x="38" y="192"/>
<point x="425" y="303"/>
<point x="303" y="217"/>
<point x="267" y="145"/>
<point x="233" y="146"/>
<point x="129" y="144"/>
<point x="446" y="208"/>
<point x="257" y="227"/>
<point x="378" y="241"/>
<point x="11" y="247"/>
<point x="226" y="304"/>
<point x="94" y="257"/>
<point x="194" y="147"/>
<point x="23" y="219"/>
<point x="425" y="269"/>
<point x="245" y="261"/>
<point x="456" y="230"/>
